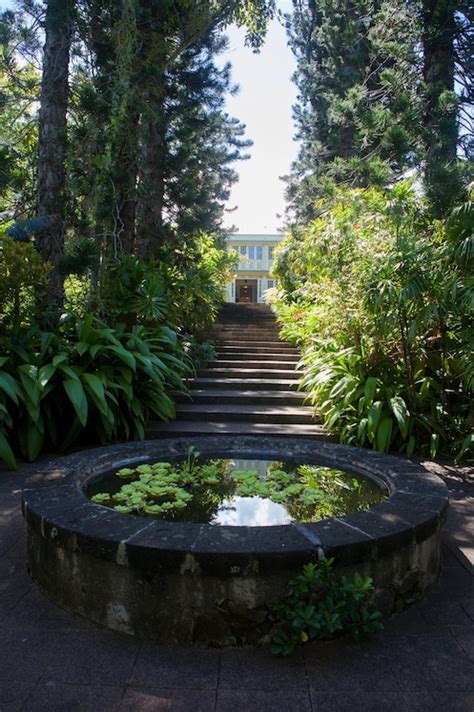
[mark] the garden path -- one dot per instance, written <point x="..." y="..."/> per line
<point x="251" y="386"/>
<point x="423" y="660"/>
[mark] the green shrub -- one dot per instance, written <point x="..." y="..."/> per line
<point x="85" y="380"/>
<point x="322" y="605"/>
<point x="195" y="275"/>
<point x="381" y="305"/>
<point x="23" y="274"/>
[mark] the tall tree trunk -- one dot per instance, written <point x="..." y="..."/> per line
<point x="152" y="180"/>
<point x="125" y="175"/>
<point x="52" y="142"/>
<point x="440" y="113"/>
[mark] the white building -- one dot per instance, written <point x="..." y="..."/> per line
<point x="256" y="255"/>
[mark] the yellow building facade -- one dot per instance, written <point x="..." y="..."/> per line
<point x="256" y="256"/>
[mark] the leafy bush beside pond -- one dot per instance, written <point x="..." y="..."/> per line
<point x="320" y="604"/>
<point x="128" y="335"/>
<point x="85" y="380"/>
<point x="380" y="299"/>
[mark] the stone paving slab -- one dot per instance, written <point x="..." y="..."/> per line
<point x="422" y="662"/>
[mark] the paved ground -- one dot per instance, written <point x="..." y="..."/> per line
<point x="422" y="662"/>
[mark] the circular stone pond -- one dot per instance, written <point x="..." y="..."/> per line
<point x="208" y="569"/>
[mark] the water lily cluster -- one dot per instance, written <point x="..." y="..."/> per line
<point x="164" y="488"/>
<point x="161" y="487"/>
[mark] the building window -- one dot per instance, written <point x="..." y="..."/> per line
<point x="259" y="251"/>
<point x="243" y="249"/>
<point x="270" y="283"/>
<point x="271" y="250"/>
<point x="251" y="252"/>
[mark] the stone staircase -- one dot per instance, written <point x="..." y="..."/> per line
<point x="250" y="388"/>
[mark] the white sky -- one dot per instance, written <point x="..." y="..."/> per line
<point x="263" y="104"/>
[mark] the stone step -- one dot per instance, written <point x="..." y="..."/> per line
<point x="247" y="328"/>
<point x="245" y="356"/>
<point x="280" y="348"/>
<point x="249" y="315"/>
<point x="254" y="344"/>
<point x="209" y="395"/>
<point x="251" y="384"/>
<point x="226" y="412"/>
<point x="183" y="427"/>
<point x="251" y="373"/>
<point x="244" y="335"/>
<point x="251" y="325"/>
<point x="250" y="309"/>
<point x="239" y="364"/>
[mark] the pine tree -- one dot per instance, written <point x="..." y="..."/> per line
<point x="384" y="86"/>
<point x="446" y="38"/>
<point x="358" y="109"/>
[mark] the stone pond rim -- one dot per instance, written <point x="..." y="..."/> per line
<point x="200" y="583"/>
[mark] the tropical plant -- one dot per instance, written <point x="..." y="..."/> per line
<point x="383" y="313"/>
<point x="307" y="492"/>
<point x="320" y="604"/>
<point x="85" y="380"/>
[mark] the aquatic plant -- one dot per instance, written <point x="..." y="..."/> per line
<point x="307" y="492"/>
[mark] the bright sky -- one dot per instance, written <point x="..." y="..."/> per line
<point x="264" y="106"/>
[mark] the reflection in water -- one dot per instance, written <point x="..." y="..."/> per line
<point x="245" y="492"/>
<point x="251" y="512"/>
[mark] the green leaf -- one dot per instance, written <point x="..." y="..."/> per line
<point x="76" y="395"/>
<point x="10" y="386"/>
<point x="34" y="440"/>
<point x="401" y="413"/>
<point x="71" y="372"/>
<point x="59" y="359"/>
<point x="82" y="347"/>
<point x="46" y="373"/>
<point x="411" y="445"/>
<point x="6" y="453"/>
<point x="74" y="431"/>
<point x="384" y="434"/>
<point x="123" y="355"/>
<point x="339" y="387"/>
<point x="370" y="389"/>
<point x="84" y="328"/>
<point x="362" y="431"/>
<point x="95" y="386"/>
<point x="46" y="339"/>
<point x="94" y="350"/>
<point x="32" y="389"/>
<point x="466" y="444"/>
<point x="373" y="419"/>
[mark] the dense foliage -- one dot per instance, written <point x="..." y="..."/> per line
<point x="320" y="604"/>
<point x="376" y="273"/>
<point x="115" y="165"/>
<point x="127" y="338"/>
<point x="380" y="298"/>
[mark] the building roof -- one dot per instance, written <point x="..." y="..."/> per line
<point x="238" y="237"/>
